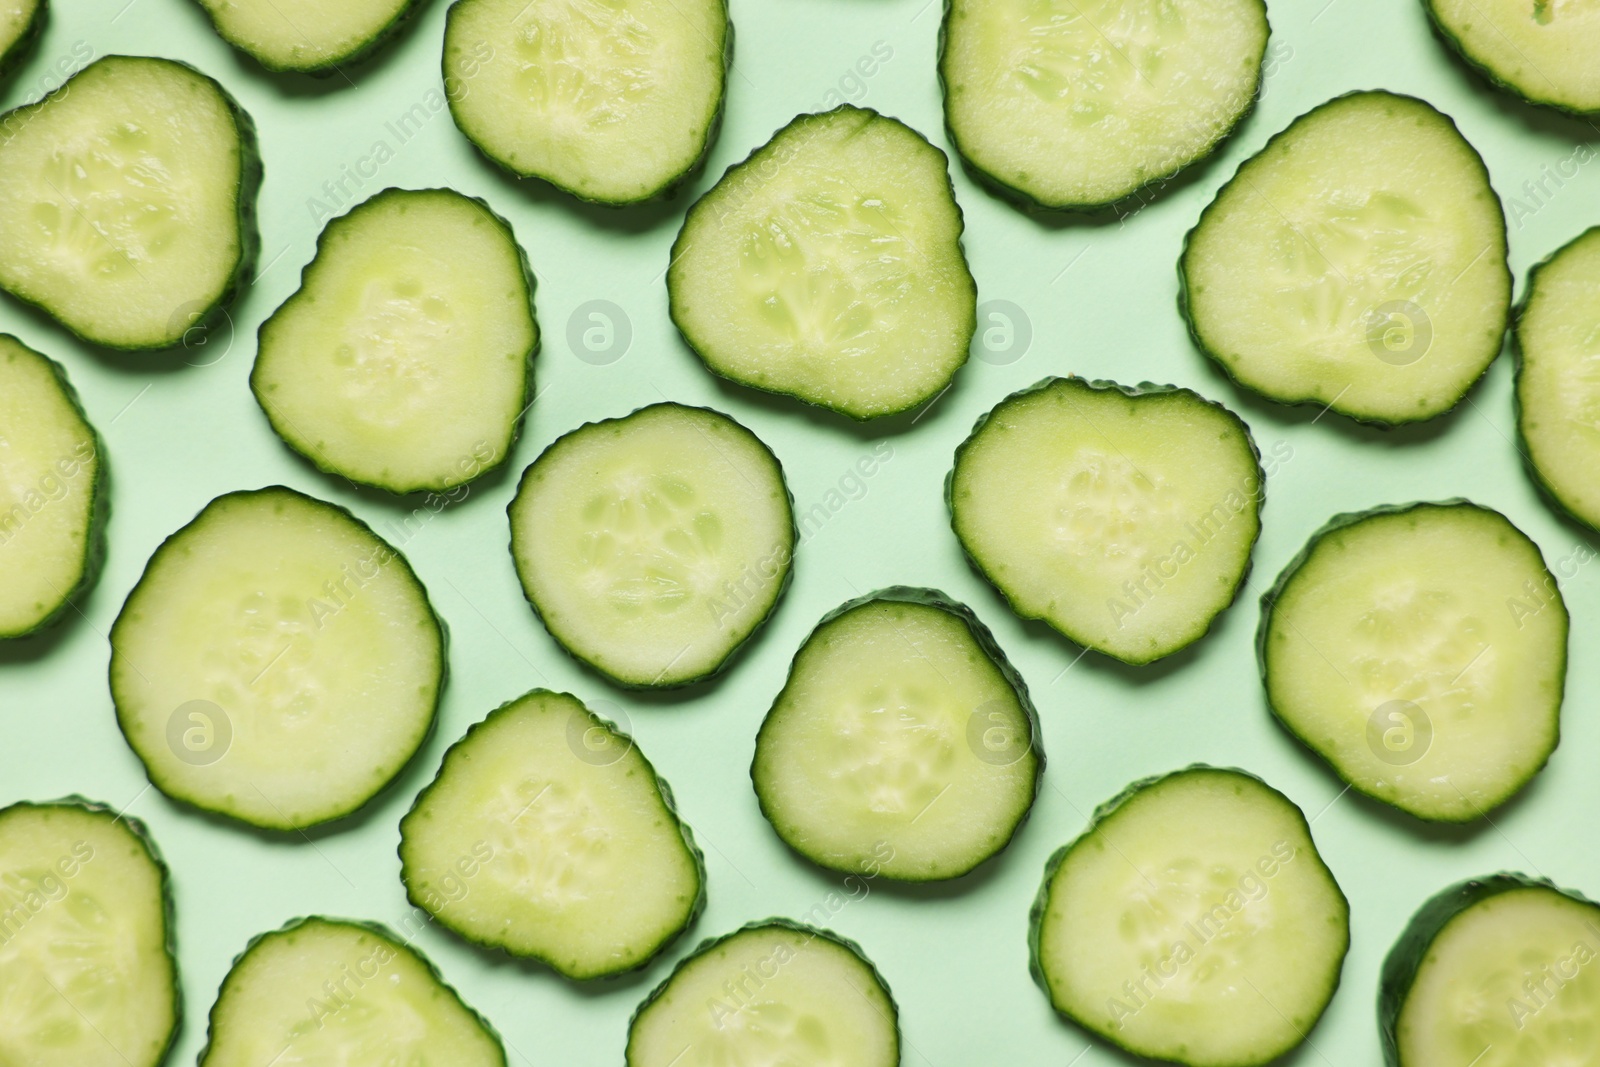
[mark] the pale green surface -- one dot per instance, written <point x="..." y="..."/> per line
<point x="956" y="962"/>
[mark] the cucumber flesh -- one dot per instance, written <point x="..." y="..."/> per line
<point x="305" y="35"/>
<point x="1357" y="262"/>
<point x="50" y="483"/>
<point x="1422" y="652"/>
<point x="1078" y="103"/>
<point x="21" y="22"/>
<point x="87" y="976"/>
<point x="277" y="663"/>
<point x="1194" y="922"/>
<point x="903" y="743"/>
<point x="1541" y="50"/>
<point x="403" y="359"/>
<point x="828" y="267"/>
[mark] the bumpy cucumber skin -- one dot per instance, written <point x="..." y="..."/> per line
<point x="662" y="787"/>
<point x="1028" y="202"/>
<point x="765" y="924"/>
<point x="1349" y="413"/>
<point x="1490" y="75"/>
<point x="12" y="57"/>
<point x="661" y="192"/>
<point x="286" y="433"/>
<point x="932" y="598"/>
<point x="327" y="68"/>
<point x="1041" y="902"/>
<point x="783" y="585"/>
<point x="1134" y="392"/>
<point x="1339" y="522"/>
<point x="438" y="697"/>
<point x="678" y="249"/>
<point x="377" y="930"/>
<point x="141" y="833"/>
<point x="94" y="551"/>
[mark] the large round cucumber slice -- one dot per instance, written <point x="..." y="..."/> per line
<point x="127" y="201"/>
<point x="613" y="102"/>
<point x="1124" y="517"/>
<point x="653" y="545"/>
<point x="87" y="972"/>
<point x="548" y="834"/>
<point x="403" y="359"/>
<point x="1422" y="651"/>
<point x="278" y="663"/>
<point x="828" y="267"/>
<point x="307" y="35"/>
<point x="773" y="992"/>
<point x="903" y="744"/>
<point x="1357" y="262"/>
<point x="52" y="491"/>
<point x="1079" y="103"/>
<point x="1540" y="50"/>
<point x="1193" y="921"/>
<point x="331" y="991"/>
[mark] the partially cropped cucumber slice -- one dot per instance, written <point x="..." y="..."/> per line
<point x="21" y="22"/>
<point x="1358" y="262"/>
<point x="828" y="267"/>
<point x="52" y="491"/>
<point x="1422" y="651"/>
<point x="1123" y="517"/>
<point x="1497" y="972"/>
<point x="548" y="834"/>
<point x="773" y="992"/>
<point x="87" y="972"/>
<point x="653" y="545"/>
<point x="305" y="35"/>
<point x="127" y="201"/>
<point x="1540" y="50"/>
<point x="1193" y="921"/>
<point x="278" y="662"/>
<point x="330" y="991"/>
<point x="1078" y="103"/>
<point x="614" y="102"/>
<point x="403" y="359"/>
<point x="903" y="743"/>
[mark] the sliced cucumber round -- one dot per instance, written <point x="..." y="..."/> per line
<point x="1357" y="262"/>
<point x="88" y="975"/>
<point x="548" y="834"/>
<point x="305" y="35"/>
<point x="652" y="546"/>
<point x="331" y="991"/>
<point x="828" y="267"/>
<point x="52" y="492"/>
<point x="614" y="103"/>
<point x="127" y="201"/>
<point x="903" y="743"/>
<point x="1497" y="972"/>
<point x="278" y="662"/>
<point x="773" y="992"/>
<point x="1540" y="50"/>
<point x="403" y="360"/>
<point x="21" y="23"/>
<point x="1422" y="651"/>
<point x="1079" y="103"/>
<point x="1193" y="921"/>
<point x="1123" y="517"/>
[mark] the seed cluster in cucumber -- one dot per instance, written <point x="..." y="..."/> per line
<point x="1542" y="51"/>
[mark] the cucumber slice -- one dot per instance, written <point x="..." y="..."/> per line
<point x="614" y="103"/>
<point x="1124" y="517"/>
<point x="1080" y="103"/>
<point x="772" y="992"/>
<point x="652" y="546"/>
<point x="828" y="267"/>
<point x="88" y="974"/>
<point x="305" y="35"/>
<point x="127" y="201"/>
<point x="52" y="492"/>
<point x="21" y="23"/>
<point x="1498" y="972"/>
<point x="403" y="360"/>
<point x="1357" y="262"/>
<point x="277" y="663"/>
<point x="903" y="742"/>
<point x="1422" y="651"/>
<point x="548" y="834"/>
<point x="331" y="991"/>
<point x="1193" y="921"/>
<point x="1540" y="50"/>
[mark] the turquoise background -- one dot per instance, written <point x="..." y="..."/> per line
<point x="1099" y="295"/>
